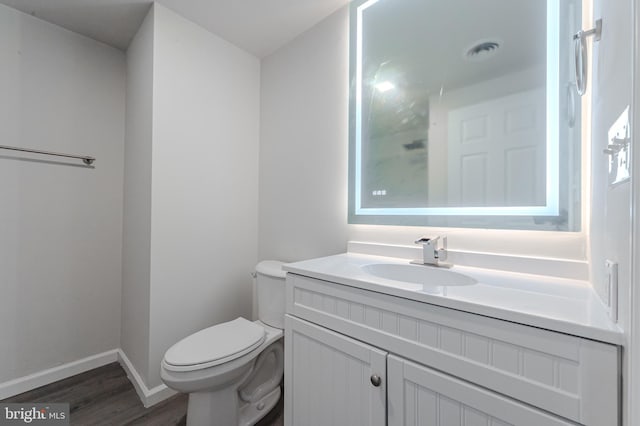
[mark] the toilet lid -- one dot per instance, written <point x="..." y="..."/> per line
<point x="216" y="345"/>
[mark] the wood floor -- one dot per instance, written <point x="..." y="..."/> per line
<point x="105" y="396"/>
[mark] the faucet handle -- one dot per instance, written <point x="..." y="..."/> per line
<point x="443" y="253"/>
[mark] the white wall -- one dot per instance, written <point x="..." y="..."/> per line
<point x="631" y="409"/>
<point x="303" y="162"/>
<point x="136" y="255"/>
<point x="60" y="223"/>
<point x="303" y="145"/>
<point x="611" y="206"/>
<point x="202" y="135"/>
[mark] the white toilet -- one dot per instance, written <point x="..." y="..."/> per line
<point x="232" y="371"/>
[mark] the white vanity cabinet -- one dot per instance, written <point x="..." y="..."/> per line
<point x="438" y="366"/>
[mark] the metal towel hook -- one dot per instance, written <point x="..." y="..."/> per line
<point x="580" y="52"/>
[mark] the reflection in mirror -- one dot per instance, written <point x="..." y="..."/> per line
<point x="462" y="114"/>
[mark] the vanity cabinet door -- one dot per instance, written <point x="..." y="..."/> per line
<point x="331" y="380"/>
<point x="421" y="396"/>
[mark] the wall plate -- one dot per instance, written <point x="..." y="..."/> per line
<point x="619" y="138"/>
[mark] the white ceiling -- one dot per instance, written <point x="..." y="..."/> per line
<point x="257" y="26"/>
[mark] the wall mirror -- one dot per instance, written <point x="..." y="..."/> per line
<point x="463" y="113"/>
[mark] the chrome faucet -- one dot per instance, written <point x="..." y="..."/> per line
<point x="431" y="254"/>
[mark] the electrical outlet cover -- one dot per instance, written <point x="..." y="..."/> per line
<point x="611" y="299"/>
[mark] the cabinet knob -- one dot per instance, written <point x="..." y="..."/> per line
<point x="376" y="380"/>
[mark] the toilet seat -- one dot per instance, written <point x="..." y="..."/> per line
<point x="230" y="340"/>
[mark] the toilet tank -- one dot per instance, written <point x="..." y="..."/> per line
<point x="270" y="280"/>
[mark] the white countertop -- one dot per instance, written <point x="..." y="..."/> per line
<point x="558" y="304"/>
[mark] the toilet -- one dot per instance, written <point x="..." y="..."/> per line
<point x="232" y="371"/>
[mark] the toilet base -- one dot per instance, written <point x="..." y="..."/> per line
<point x="212" y="408"/>
<point x="250" y="414"/>
<point x="221" y="406"/>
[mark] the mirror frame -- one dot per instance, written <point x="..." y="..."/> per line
<point x="436" y="216"/>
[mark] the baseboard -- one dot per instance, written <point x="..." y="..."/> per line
<point x="148" y="396"/>
<point x="48" y="376"/>
<point x="27" y="383"/>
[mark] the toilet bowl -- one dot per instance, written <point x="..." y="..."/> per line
<point x="232" y="371"/>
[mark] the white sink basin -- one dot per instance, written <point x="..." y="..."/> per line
<point x="418" y="274"/>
